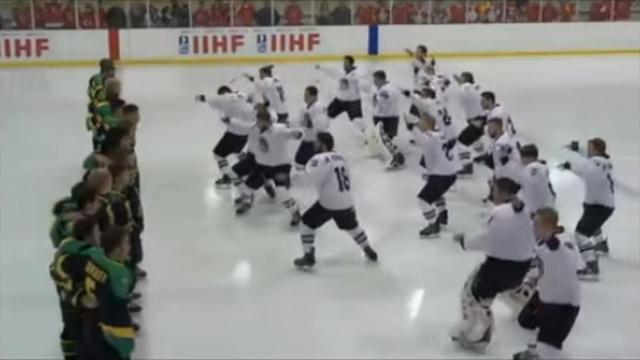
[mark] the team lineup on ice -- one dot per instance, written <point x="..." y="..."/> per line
<point x="359" y="147"/>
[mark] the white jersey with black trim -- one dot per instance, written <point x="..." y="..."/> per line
<point x="331" y="176"/>
<point x="313" y="120"/>
<point x="438" y="155"/>
<point x="558" y="282"/>
<point x="386" y="101"/>
<point x="536" y="190"/>
<point x="437" y="109"/>
<point x="270" y="146"/>
<point x="470" y="99"/>
<point x="272" y="90"/>
<point x="596" y="171"/>
<point x="348" y="83"/>
<point x="498" y="111"/>
<point x="233" y="105"/>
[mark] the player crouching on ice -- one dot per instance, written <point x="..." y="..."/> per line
<point x="509" y="244"/>
<point x="330" y="173"/>
<point x="556" y="304"/>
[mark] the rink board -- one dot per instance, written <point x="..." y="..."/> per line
<point x="73" y="48"/>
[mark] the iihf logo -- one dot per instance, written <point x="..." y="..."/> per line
<point x="183" y="45"/>
<point x="262" y="43"/>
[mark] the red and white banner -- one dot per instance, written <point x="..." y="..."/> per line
<point x="65" y="45"/>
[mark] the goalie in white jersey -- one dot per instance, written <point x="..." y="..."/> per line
<point x="313" y="120"/>
<point x="231" y="105"/>
<point x="554" y="307"/>
<point x="331" y="175"/>
<point x="599" y="203"/>
<point x="271" y="90"/>
<point x="508" y="243"/>
<point x="348" y="97"/>
<point x="537" y="191"/>
<point x="272" y="162"/>
<point x="441" y="168"/>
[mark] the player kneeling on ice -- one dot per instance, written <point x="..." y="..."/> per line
<point x="313" y="120"/>
<point x="599" y="204"/>
<point x="509" y="244"/>
<point x="331" y="175"/>
<point x="231" y="105"/>
<point x="556" y="304"/>
<point x="272" y="162"/>
<point x="441" y="169"/>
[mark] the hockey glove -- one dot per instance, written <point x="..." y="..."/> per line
<point x="565" y="166"/>
<point x="406" y="93"/>
<point x="226" y="120"/>
<point x="200" y="98"/>
<point x="249" y="77"/>
<point x="574" y="146"/>
<point x="459" y="239"/>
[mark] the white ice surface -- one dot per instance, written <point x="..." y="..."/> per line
<point x="225" y="287"/>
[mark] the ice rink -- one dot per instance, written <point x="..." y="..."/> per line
<point x="221" y="286"/>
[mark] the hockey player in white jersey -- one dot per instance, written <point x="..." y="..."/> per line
<point x="537" y="191"/>
<point x="554" y="307"/>
<point x="348" y="97"/>
<point x="230" y="105"/>
<point x="508" y="243"/>
<point x="271" y="90"/>
<point x="313" y="120"/>
<point x="426" y="100"/>
<point x="470" y="101"/>
<point x="386" y="116"/>
<point x="441" y="169"/>
<point x="271" y="163"/>
<point x="493" y="110"/>
<point x="331" y="176"/>
<point x="599" y="203"/>
<point x="419" y="59"/>
<point x="505" y="156"/>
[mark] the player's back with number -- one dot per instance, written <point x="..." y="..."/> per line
<point x="331" y="175"/>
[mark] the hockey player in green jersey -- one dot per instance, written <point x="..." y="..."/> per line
<point x="108" y="333"/>
<point x="107" y="113"/>
<point x="96" y="90"/>
<point x="69" y="210"/>
<point x="67" y="272"/>
<point x="117" y="210"/>
<point x="115" y="148"/>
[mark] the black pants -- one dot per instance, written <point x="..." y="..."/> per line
<point x="352" y="108"/>
<point x="281" y="176"/>
<point x="305" y="152"/>
<point x="317" y="215"/>
<point x="71" y="335"/>
<point x="436" y="186"/>
<point x="245" y="166"/>
<point x="282" y="118"/>
<point x="473" y="132"/>
<point x="554" y="320"/>
<point x="496" y="276"/>
<point x="593" y="217"/>
<point x="230" y="144"/>
<point x="94" y="346"/>
<point x="389" y="125"/>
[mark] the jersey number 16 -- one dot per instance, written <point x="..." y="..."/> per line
<point x="344" y="184"/>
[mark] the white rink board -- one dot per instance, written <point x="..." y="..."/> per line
<point x="53" y="45"/>
<point x="511" y="37"/>
<point x="234" y="42"/>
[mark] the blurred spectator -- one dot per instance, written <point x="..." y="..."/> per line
<point x="69" y="15"/>
<point x="567" y="10"/>
<point x="245" y="14"/>
<point x="457" y="13"/>
<point x="116" y="18"/>
<point x="21" y="16"/>
<point x="533" y="11"/>
<point x="324" y="14"/>
<point x="549" y="12"/>
<point x="622" y="10"/>
<point x="87" y="16"/>
<point x="483" y="12"/>
<point x="138" y="13"/>
<point x="201" y="16"/>
<point x="265" y="13"/>
<point x="293" y="14"/>
<point x="438" y="13"/>
<point x="404" y="13"/>
<point x="422" y="13"/>
<point x="600" y="10"/>
<point x="341" y="15"/>
<point x="54" y="14"/>
<point x="179" y="14"/>
<point x="383" y="13"/>
<point x="220" y="14"/>
<point x="367" y="13"/>
<point x="39" y="14"/>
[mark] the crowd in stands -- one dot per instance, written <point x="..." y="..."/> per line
<point x="61" y="14"/>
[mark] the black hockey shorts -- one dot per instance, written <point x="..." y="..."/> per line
<point x="317" y="215"/>
<point x="352" y="108"/>
<point x="496" y="276"/>
<point x="230" y="144"/>
<point x="413" y="110"/>
<point x="554" y="320"/>
<point x="71" y="335"/>
<point x="283" y="118"/>
<point x="435" y="187"/>
<point x="473" y="132"/>
<point x="245" y="166"/>
<point x="593" y="217"/>
<point x="305" y="152"/>
<point x="389" y="124"/>
<point x="281" y="176"/>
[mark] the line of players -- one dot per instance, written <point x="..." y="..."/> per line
<point x="520" y="189"/>
<point x="97" y="233"/>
